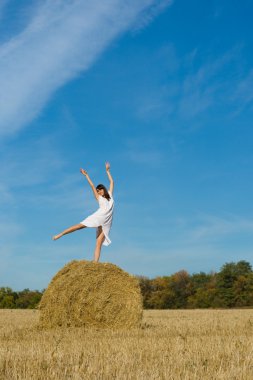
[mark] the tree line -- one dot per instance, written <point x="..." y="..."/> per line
<point x="25" y="299"/>
<point x="231" y="287"/>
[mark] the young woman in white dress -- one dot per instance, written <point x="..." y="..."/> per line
<point x="102" y="218"/>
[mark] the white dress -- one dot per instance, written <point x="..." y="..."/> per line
<point x="102" y="217"/>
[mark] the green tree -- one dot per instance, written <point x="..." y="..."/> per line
<point x="7" y="298"/>
<point x="146" y="289"/>
<point x="204" y="292"/>
<point x="200" y="280"/>
<point x="226" y="279"/>
<point x="28" y="299"/>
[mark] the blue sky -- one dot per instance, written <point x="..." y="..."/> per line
<point x="161" y="89"/>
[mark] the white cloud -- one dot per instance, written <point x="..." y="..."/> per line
<point x="154" y="10"/>
<point x="62" y="39"/>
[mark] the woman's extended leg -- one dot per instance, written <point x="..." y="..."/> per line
<point x="99" y="241"/>
<point x="69" y="230"/>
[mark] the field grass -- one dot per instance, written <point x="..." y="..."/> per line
<point x="182" y="344"/>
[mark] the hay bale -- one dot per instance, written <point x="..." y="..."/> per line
<point x="90" y="294"/>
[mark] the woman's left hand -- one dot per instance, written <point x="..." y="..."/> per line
<point x="107" y="166"/>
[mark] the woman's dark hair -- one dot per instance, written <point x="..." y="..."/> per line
<point x="106" y="194"/>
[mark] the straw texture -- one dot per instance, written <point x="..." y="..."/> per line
<point x="89" y="294"/>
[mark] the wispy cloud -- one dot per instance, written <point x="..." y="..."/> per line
<point x="202" y="87"/>
<point x="9" y="229"/>
<point x="30" y="165"/>
<point x="220" y="82"/>
<point x="5" y="194"/>
<point x="61" y="40"/>
<point x="145" y="152"/>
<point x="216" y="227"/>
<point x="2" y="6"/>
<point x="154" y="10"/>
<point x="196" y="84"/>
<point x="243" y="94"/>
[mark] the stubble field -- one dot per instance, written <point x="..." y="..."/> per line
<point x="172" y="344"/>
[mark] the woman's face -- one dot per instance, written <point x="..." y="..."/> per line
<point x="101" y="192"/>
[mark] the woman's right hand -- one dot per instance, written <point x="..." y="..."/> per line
<point x="84" y="172"/>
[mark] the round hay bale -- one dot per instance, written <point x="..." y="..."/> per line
<point x="89" y="294"/>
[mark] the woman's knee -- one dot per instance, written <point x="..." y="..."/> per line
<point x="79" y="226"/>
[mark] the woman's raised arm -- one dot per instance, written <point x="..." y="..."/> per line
<point x="107" y="166"/>
<point x="90" y="182"/>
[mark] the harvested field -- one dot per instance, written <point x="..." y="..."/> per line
<point x="182" y="344"/>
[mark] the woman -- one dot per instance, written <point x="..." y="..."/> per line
<point x="102" y="218"/>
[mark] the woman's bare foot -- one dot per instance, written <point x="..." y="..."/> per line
<point x="57" y="237"/>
